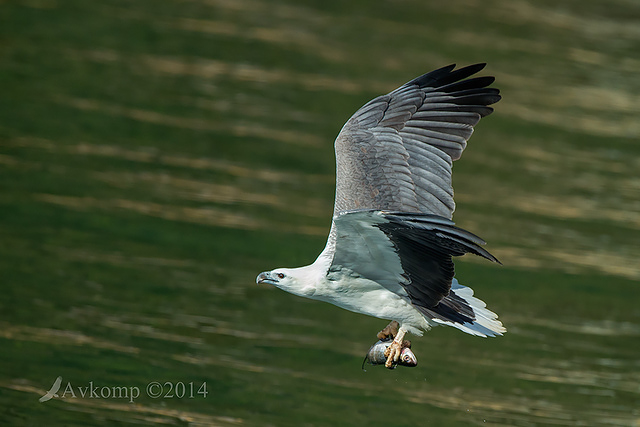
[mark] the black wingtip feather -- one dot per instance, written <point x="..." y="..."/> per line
<point x="445" y="76"/>
<point x="464" y="72"/>
<point x="474" y="83"/>
<point x="476" y="99"/>
<point x="433" y="76"/>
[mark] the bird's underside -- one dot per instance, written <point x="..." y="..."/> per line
<point x="390" y="248"/>
<point x="409" y="255"/>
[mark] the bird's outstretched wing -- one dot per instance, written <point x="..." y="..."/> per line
<point x="407" y="253"/>
<point x="396" y="152"/>
<point x="56" y="385"/>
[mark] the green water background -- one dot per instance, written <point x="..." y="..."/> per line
<point x="156" y="155"/>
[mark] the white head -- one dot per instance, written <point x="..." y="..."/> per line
<point x="298" y="281"/>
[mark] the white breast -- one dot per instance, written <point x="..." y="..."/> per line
<point x="365" y="296"/>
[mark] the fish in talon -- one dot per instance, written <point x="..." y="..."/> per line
<point x="376" y="355"/>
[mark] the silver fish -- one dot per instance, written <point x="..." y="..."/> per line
<point x="375" y="355"/>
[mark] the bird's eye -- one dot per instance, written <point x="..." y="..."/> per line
<point x="280" y="275"/>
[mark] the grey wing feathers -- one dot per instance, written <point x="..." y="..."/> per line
<point x="396" y="152"/>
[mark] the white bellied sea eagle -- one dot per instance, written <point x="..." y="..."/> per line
<point x="390" y="248"/>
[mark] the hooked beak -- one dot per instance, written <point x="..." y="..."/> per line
<point x="265" y="277"/>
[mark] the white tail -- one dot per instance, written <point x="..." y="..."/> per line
<point x="486" y="323"/>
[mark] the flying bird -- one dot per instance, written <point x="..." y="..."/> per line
<point x="392" y="238"/>
<point x="52" y="391"/>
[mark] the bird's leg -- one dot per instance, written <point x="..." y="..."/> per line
<point x="392" y="353"/>
<point x="390" y="331"/>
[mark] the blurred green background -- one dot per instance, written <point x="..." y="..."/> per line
<point x="156" y="155"/>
